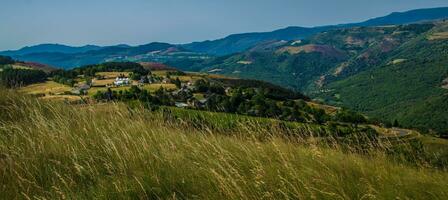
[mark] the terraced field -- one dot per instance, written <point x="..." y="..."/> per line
<point x="439" y="36"/>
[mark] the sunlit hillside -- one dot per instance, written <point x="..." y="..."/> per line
<point x="58" y="151"/>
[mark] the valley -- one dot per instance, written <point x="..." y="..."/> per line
<point x="157" y="86"/>
<point x="376" y="62"/>
<point x="374" y="67"/>
<point x="345" y="111"/>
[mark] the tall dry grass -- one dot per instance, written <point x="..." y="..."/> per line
<point x="58" y="151"/>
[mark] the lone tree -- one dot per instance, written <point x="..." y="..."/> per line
<point x="178" y="83"/>
<point x="396" y="124"/>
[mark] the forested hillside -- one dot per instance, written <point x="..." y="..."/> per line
<point x="409" y="87"/>
<point x="332" y="65"/>
<point x="16" y="74"/>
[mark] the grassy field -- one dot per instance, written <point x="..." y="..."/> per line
<point x="47" y="88"/>
<point x="199" y="96"/>
<point x="107" y="151"/>
<point x="160" y="72"/>
<point x="103" y="82"/>
<point x="20" y="67"/>
<point x="187" y="78"/>
<point x="436" y="146"/>
<point x="328" y="109"/>
<point x="112" y="75"/>
<point x="63" y="98"/>
<point x="15" y="66"/>
<point x="94" y="90"/>
<point x="52" y="91"/>
<point x="149" y="87"/>
<point x="156" y="86"/>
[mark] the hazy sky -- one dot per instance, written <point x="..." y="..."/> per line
<point x="107" y="22"/>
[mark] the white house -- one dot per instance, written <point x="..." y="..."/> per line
<point x="121" y="81"/>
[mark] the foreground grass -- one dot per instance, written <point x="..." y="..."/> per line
<point x="56" y="151"/>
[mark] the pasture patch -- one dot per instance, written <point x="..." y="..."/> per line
<point x="112" y="75"/>
<point x="49" y="87"/>
<point x="154" y="87"/>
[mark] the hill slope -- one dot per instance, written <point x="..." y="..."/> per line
<point x="408" y="87"/>
<point x="109" y="151"/>
<point x="240" y="42"/>
<point x="334" y="64"/>
<point x="333" y="54"/>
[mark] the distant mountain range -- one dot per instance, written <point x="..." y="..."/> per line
<point x="68" y="57"/>
<point x="51" y="48"/>
<point x="240" y="42"/>
<point x="391" y="68"/>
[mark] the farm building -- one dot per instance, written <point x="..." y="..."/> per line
<point x="81" y="89"/>
<point x="121" y="81"/>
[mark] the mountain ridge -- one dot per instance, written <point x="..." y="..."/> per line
<point x="50" y="48"/>
<point x="240" y="42"/>
<point x="297" y="32"/>
<point x="155" y="51"/>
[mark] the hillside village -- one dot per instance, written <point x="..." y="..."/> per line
<point x="178" y="84"/>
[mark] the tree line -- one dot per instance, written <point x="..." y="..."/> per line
<point x="245" y="101"/>
<point x="11" y="78"/>
<point x="68" y="77"/>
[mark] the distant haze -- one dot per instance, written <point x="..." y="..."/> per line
<point x="109" y="22"/>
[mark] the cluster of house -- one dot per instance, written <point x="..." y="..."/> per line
<point x="184" y="95"/>
<point x="81" y="89"/>
<point x="151" y="79"/>
<point x="123" y="81"/>
<point x="187" y="100"/>
<point x="192" y="103"/>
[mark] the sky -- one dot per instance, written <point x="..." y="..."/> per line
<point x="110" y="22"/>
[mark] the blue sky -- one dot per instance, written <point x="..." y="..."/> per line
<point x="108" y="22"/>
